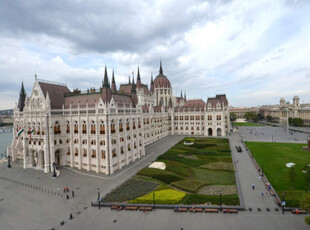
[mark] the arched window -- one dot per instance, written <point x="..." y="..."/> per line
<point x="102" y="128"/>
<point x="92" y="127"/>
<point x="112" y="127"/>
<point x="120" y="125"/>
<point x="76" y="127"/>
<point x="209" y="117"/>
<point x="127" y="125"/>
<point x="84" y="127"/>
<point x="76" y="152"/>
<point x="68" y="127"/>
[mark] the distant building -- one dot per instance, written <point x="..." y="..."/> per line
<point x="105" y="129"/>
<point x="295" y="110"/>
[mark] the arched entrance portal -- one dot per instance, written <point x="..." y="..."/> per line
<point x="210" y="133"/>
<point x="219" y="132"/>
<point x="60" y="157"/>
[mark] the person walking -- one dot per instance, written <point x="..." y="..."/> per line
<point x="72" y="193"/>
<point x="262" y="194"/>
<point x="253" y="186"/>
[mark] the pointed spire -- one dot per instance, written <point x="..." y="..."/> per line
<point x="133" y="80"/>
<point x="160" y="68"/>
<point x="22" y="98"/>
<point x="138" y="79"/>
<point x="129" y="79"/>
<point x="113" y="80"/>
<point x="181" y="94"/>
<point x="113" y="86"/>
<point x="22" y="90"/>
<point x="185" y="95"/>
<point x="105" y="83"/>
<point x="152" y="84"/>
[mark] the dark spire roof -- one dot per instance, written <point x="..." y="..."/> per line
<point x="138" y="75"/>
<point x="152" y="82"/>
<point x="185" y="95"/>
<point x="129" y="79"/>
<point x="181" y="94"/>
<point x="113" y="86"/>
<point x="22" y="98"/>
<point x="105" y="83"/>
<point x="138" y="79"/>
<point x="113" y="80"/>
<point x="160" y="68"/>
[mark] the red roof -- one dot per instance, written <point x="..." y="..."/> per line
<point x="161" y="81"/>
<point x="56" y="93"/>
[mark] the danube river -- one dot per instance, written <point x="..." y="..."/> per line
<point x="5" y="140"/>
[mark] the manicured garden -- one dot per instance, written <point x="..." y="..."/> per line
<point x="194" y="174"/>
<point x="274" y="157"/>
<point x="246" y="124"/>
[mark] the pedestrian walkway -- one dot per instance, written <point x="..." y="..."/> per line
<point x="248" y="175"/>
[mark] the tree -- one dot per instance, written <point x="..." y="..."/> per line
<point x="260" y="116"/>
<point x="295" y="121"/>
<point x="292" y="175"/>
<point x="233" y="117"/>
<point x="307" y="168"/>
<point x="269" y="118"/>
<point x="305" y="204"/>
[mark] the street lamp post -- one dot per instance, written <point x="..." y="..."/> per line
<point x="54" y="169"/>
<point x="9" y="162"/>
<point x="220" y="201"/>
<point x="98" y="195"/>
<point x="153" y="200"/>
<point x="283" y="203"/>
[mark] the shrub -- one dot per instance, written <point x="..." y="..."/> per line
<point x="202" y="199"/>
<point x="178" y="168"/>
<point x="162" y="175"/>
<point x="189" y="185"/>
<point x="162" y="196"/>
<point x="225" y="166"/>
<point x="129" y="190"/>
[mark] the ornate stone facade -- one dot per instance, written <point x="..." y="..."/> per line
<point x="104" y="129"/>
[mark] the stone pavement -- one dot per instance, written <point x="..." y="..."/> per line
<point x="248" y="175"/>
<point x="23" y="207"/>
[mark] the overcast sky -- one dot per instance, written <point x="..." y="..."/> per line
<point x="254" y="51"/>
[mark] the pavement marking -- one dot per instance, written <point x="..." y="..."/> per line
<point x="110" y="177"/>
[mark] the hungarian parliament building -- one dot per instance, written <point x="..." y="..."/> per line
<point x="105" y="129"/>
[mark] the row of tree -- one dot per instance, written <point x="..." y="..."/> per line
<point x="250" y="116"/>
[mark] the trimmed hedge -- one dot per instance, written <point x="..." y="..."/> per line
<point x="162" y="175"/>
<point x="178" y="168"/>
<point x="225" y="166"/>
<point x="162" y="196"/>
<point x="215" y="200"/>
<point x="129" y="190"/>
<point x="189" y="185"/>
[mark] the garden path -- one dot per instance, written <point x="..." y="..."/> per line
<point x="248" y="175"/>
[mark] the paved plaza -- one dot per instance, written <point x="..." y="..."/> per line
<point x="40" y="206"/>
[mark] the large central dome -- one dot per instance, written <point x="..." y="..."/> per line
<point x="161" y="81"/>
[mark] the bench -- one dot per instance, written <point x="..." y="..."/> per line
<point x="145" y="208"/>
<point x="299" y="211"/>
<point x="180" y="209"/>
<point x="211" y="210"/>
<point x="230" y="211"/>
<point x="115" y="207"/>
<point x="131" y="208"/>
<point x="196" y="210"/>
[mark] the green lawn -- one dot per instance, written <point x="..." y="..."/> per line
<point x="274" y="156"/>
<point x="246" y="124"/>
<point x="188" y="168"/>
